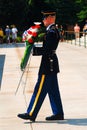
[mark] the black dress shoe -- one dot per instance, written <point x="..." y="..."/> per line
<point x="26" y="116"/>
<point x="55" y="117"/>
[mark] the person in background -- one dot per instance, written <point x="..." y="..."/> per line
<point x="1" y="35"/>
<point x="61" y="33"/>
<point x="57" y="26"/>
<point x="7" y="32"/>
<point x="77" y="30"/>
<point x="85" y="30"/>
<point x="47" y="82"/>
<point x="14" y="32"/>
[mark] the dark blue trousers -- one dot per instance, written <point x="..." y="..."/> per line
<point x="46" y="84"/>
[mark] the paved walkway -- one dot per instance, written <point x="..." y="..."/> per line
<point x="72" y="81"/>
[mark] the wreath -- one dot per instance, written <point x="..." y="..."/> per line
<point x="33" y="34"/>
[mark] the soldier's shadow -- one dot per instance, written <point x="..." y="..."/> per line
<point x="78" y="122"/>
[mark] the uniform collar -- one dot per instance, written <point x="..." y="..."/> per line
<point x="49" y="26"/>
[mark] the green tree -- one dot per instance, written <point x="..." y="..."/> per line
<point x="66" y="9"/>
<point x="13" y="12"/>
<point x="82" y="15"/>
<point x="35" y="8"/>
<point x="24" y="12"/>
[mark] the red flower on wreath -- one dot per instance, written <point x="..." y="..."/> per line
<point x="31" y="33"/>
<point x="34" y="34"/>
<point x="30" y="40"/>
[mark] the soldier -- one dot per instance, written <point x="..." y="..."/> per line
<point x="47" y="82"/>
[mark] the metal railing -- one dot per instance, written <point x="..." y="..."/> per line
<point x="70" y="37"/>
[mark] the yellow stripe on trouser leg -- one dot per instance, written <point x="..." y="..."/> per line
<point x="38" y="94"/>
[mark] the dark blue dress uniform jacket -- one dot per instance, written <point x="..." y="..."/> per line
<point x="49" y="62"/>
